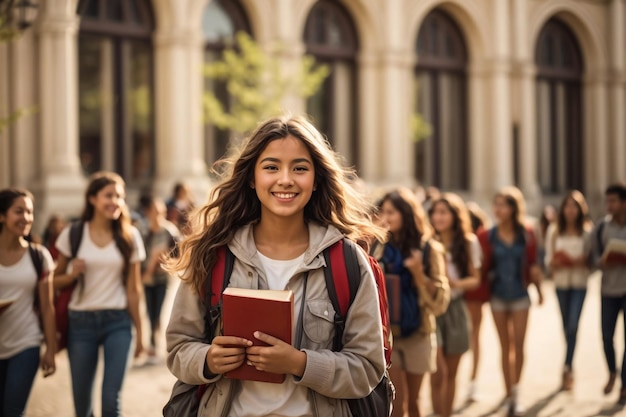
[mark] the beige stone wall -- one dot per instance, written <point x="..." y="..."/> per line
<point x="39" y="69"/>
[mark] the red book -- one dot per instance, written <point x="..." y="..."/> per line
<point x="615" y="252"/>
<point x="563" y="258"/>
<point x="245" y="311"/>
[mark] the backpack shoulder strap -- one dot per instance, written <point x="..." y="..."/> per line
<point x="343" y="278"/>
<point x="600" y="236"/>
<point x="213" y="289"/>
<point x="76" y="236"/>
<point x="426" y="258"/>
<point x="36" y="255"/>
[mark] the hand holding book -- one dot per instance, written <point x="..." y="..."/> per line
<point x="226" y="354"/>
<point x="278" y="358"/>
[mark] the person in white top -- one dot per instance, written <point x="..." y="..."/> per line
<point x="451" y="221"/>
<point x="21" y="293"/>
<point x="568" y="248"/>
<point x="286" y="201"/>
<point x="105" y="300"/>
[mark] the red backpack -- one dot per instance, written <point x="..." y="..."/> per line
<point x="343" y="277"/>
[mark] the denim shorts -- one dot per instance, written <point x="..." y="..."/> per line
<point x="518" y="304"/>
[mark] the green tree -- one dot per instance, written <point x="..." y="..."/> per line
<point x="257" y="84"/>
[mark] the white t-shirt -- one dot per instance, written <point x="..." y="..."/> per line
<point x="19" y="323"/>
<point x="274" y="400"/>
<point x="452" y="270"/>
<point x="103" y="287"/>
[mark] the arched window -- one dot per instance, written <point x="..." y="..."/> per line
<point x="559" y="109"/>
<point x="330" y="37"/>
<point x="222" y="19"/>
<point x="116" y="88"/>
<point x="441" y="81"/>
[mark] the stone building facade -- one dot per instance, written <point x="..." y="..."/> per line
<point x="526" y="92"/>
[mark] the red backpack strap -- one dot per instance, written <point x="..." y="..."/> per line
<point x="340" y="284"/>
<point x="218" y="271"/>
<point x="342" y="277"/>
<point x="213" y="288"/>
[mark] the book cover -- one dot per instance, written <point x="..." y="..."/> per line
<point x="245" y="311"/>
<point x="564" y="258"/>
<point x="615" y="251"/>
<point x="6" y="302"/>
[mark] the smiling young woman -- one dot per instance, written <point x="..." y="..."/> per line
<point x="21" y="335"/>
<point x="286" y="199"/>
<point x="105" y="301"/>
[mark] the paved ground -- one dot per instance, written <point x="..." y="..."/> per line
<point x="148" y="387"/>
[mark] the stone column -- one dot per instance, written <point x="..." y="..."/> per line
<point x="524" y="75"/>
<point x="395" y="107"/>
<point x="61" y="182"/>
<point x="370" y="145"/>
<point x="617" y="90"/>
<point x="478" y="134"/>
<point x="597" y="135"/>
<point x="500" y="125"/>
<point x="179" y="87"/>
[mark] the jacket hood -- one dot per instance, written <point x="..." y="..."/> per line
<point x="320" y="238"/>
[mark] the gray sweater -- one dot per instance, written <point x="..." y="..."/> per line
<point x="613" y="278"/>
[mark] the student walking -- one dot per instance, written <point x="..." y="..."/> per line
<point x="105" y="300"/>
<point x="451" y="221"/>
<point x="286" y="199"/>
<point x="510" y="255"/>
<point x="475" y="300"/>
<point x="419" y="261"/>
<point x="613" y="288"/>
<point x="24" y="291"/>
<point x="160" y="238"/>
<point x="568" y="246"/>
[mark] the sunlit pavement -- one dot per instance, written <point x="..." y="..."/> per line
<point x="148" y="387"/>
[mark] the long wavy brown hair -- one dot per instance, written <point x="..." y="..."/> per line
<point x="415" y="225"/>
<point x="234" y="204"/>
<point x="461" y="229"/>
<point x="582" y="221"/>
<point x="121" y="226"/>
<point x="515" y="199"/>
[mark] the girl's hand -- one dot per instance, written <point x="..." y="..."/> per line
<point x="138" y="348"/>
<point x="278" y="358"/>
<point x="48" y="366"/>
<point x="226" y="353"/>
<point x="414" y="262"/>
<point x="78" y="268"/>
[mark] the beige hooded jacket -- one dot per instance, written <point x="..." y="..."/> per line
<point x="330" y="376"/>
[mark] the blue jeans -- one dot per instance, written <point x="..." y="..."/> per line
<point x="154" y="294"/>
<point x="571" y="302"/>
<point x="89" y="330"/>
<point x="17" y="374"/>
<point x="611" y="307"/>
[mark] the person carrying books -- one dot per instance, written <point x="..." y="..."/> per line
<point x="418" y="260"/>
<point x="286" y="199"/>
<point x="568" y="246"/>
<point x="22" y="292"/>
<point x="612" y="230"/>
<point x="451" y="221"/>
